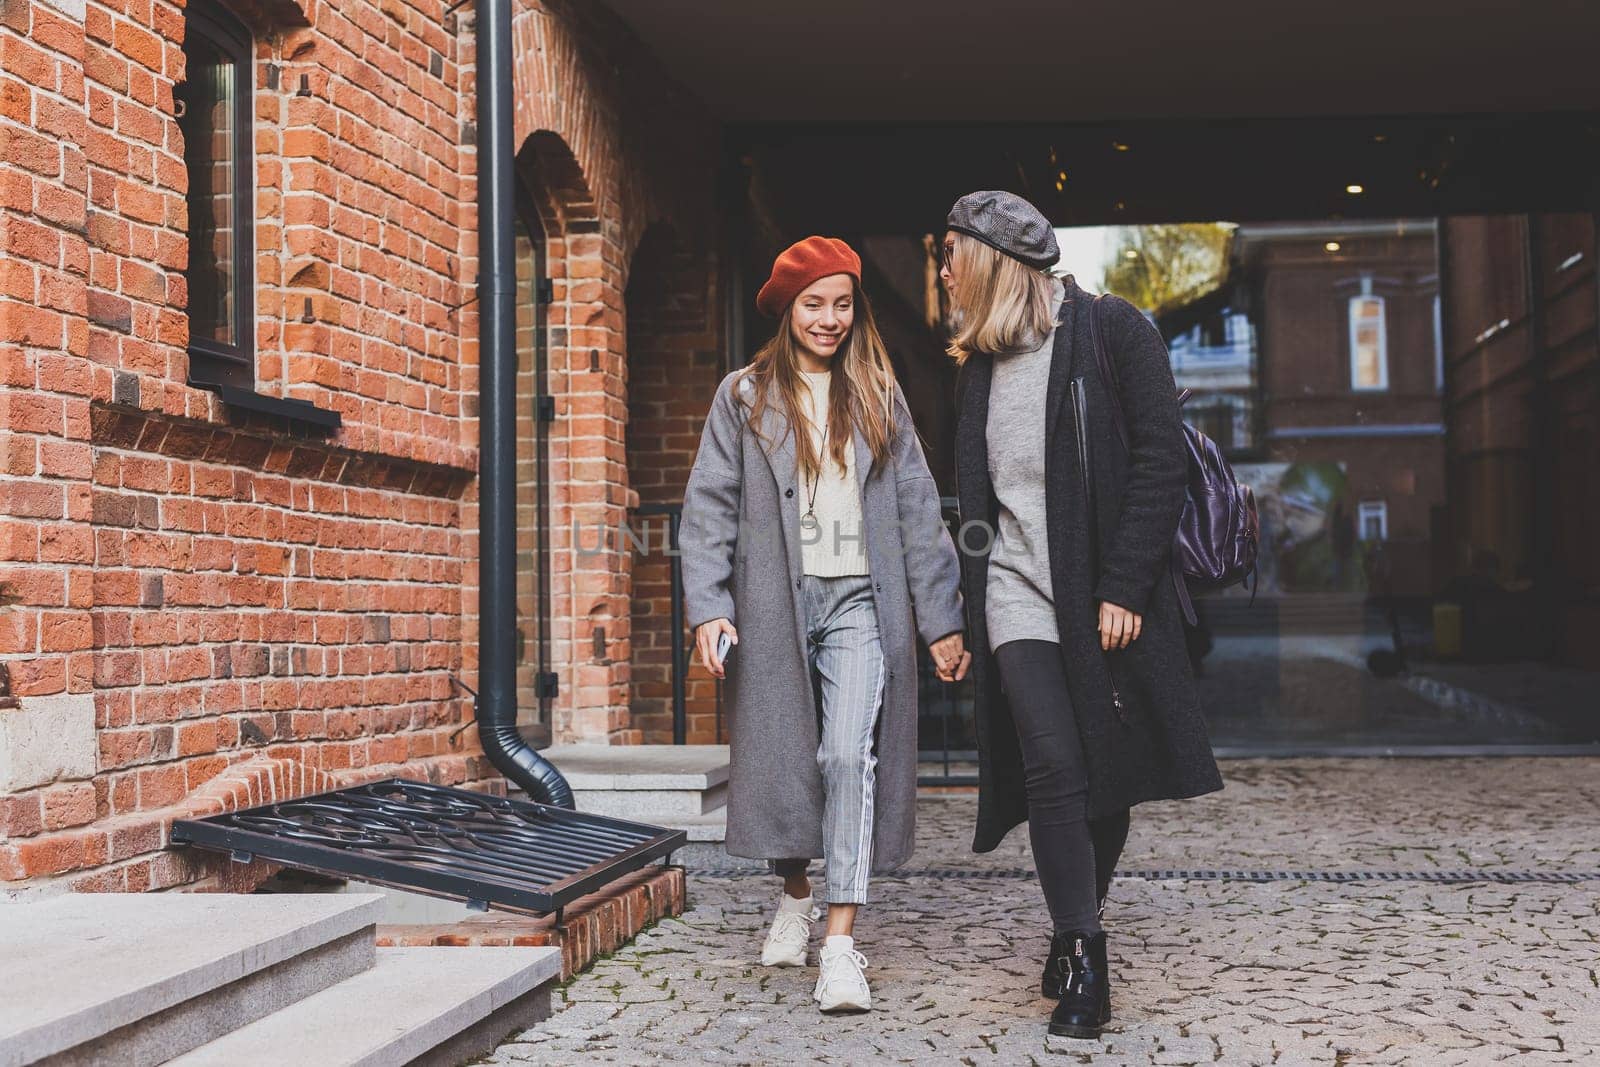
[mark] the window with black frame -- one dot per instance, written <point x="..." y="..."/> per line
<point x="214" y="113"/>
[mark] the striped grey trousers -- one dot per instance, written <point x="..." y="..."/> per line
<point x="847" y="669"/>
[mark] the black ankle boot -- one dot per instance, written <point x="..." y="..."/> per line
<point x="1085" y="1004"/>
<point x="1054" y="982"/>
<point x="1052" y="985"/>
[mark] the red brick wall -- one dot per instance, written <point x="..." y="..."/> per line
<point x="44" y="336"/>
<point x="674" y="365"/>
<point x="218" y="599"/>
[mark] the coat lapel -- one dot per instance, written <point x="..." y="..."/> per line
<point x="972" y="439"/>
<point x="863" y="453"/>
<point x="778" y="445"/>
<point x="1060" y="360"/>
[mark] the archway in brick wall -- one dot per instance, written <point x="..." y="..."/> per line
<point x="558" y="226"/>
<point x="674" y="364"/>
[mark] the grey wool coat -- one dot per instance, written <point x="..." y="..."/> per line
<point x="740" y="545"/>
<point x="1110" y="518"/>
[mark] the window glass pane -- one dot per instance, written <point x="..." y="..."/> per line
<point x="1366" y="343"/>
<point x="208" y="131"/>
<point x="1374" y="516"/>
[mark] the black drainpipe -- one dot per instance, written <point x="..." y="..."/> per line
<point x="497" y="487"/>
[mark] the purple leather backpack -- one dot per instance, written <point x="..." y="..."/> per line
<point x="1219" y="531"/>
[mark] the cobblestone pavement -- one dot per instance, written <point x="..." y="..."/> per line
<point x="1206" y="970"/>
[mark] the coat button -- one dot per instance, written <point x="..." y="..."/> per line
<point x="788" y="492"/>
<point x="880" y="587"/>
<point x="797" y="583"/>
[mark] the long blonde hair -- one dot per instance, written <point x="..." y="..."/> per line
<point x="862" y="392"/>
<point x="1000" y="304"/>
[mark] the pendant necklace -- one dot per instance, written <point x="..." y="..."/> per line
<point x="808" y="521"/>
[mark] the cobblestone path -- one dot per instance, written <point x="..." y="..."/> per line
<point x="1207" y="970"/>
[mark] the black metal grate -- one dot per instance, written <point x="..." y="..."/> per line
<point x="445" y="842"/>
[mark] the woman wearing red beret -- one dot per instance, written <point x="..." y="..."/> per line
<point x="812" y="541"/>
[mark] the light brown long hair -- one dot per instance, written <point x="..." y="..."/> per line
<point x="1000" y="304"/>
<point x="862" y="392"/>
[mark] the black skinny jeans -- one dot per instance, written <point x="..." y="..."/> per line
<point x="1075" y="856"/>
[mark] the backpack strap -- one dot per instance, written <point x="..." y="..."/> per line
<point x="1108" y="370"/>
<point x="1108" y="375"/>
<point x="1185" y="602"/>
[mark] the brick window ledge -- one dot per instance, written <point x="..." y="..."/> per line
<point x="302" y="412"/>
<point x="175" y="399"/>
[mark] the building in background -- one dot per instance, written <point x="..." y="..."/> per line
<point x="1317" y="365"/>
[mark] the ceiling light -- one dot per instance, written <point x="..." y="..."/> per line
<point x="1131" y="254"/>
<point x="1119" y="146"/>
<point x="1355" y="190"/>
<point x="1331" y="246"/>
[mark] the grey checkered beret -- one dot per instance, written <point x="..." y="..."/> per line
<point x="1008" y="223"/>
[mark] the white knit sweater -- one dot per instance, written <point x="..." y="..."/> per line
<point x="837" y="547"/>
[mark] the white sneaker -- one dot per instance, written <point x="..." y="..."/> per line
<point x="790" y="934"/>
<point x="842" y="979"/>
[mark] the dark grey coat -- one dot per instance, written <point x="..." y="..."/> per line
<point x="741" y="561"/>
<point x="1157" y="747"/>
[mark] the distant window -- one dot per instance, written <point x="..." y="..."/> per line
<point x="1238" y="327"/>
<point x="214" y="113"/>
<point x="1372" y="517"/>
<point x="1225" y="418"/>
<point x="1369" y="348"/>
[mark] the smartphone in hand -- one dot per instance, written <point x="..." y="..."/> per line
<point x="724" y="643"/>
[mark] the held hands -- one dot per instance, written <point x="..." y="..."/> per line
<point x="705" y="639"/>
<point x="1119" y="627"/>
<point x="950" y="657"/>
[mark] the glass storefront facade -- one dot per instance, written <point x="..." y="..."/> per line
<point x="1413" y="402"/>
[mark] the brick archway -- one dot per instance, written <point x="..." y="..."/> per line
<point x="586" y="627"/>
<point x="556" y="181"/>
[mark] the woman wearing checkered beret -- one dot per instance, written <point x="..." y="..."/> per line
<point x="1085" y="701"/>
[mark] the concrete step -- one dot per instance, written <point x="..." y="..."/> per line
<point x="135" y="979"/>
<point x="647" y="783"/>
<point x="705" y="850"/>
<point x="417" y="1005"/>
<point x="654" y="806"/>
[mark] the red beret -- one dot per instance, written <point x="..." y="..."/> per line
<point x="801" y="264"/>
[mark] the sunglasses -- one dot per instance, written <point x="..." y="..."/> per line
<point x="947" y="255"/>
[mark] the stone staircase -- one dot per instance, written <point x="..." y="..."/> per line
<point x="192" y="978"/>
<point x="684" y="787"/>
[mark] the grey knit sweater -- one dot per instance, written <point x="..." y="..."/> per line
<point x="1019" y="604"/>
